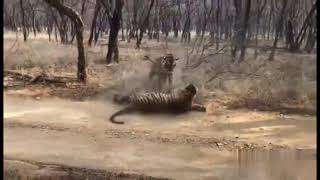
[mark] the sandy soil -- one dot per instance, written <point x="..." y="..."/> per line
<point x="192" y="146"/>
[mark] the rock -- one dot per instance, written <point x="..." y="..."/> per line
<point x="219" y="144"/>
<point x="38" y="98"/>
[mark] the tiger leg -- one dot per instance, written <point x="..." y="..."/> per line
<point x="123" y="111"/>
<point x="151" y="75"/>
<point x="121" y="99"/>
<point x="160" y="82"/>
<point x="154" y="84"/>
<point x="170" y="83"/>
<point x="198" y="107"/>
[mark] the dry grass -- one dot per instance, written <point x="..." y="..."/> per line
<point x="289" y="80"/>
<point x="287" y="83"/>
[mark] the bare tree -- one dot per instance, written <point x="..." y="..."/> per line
<point x="218" y="23"/>
<point x="143" y="24"/>
<point x="23" y="21"/>
<point x="49" y="23"/>
<point x="278" y="29"/>
<point x="307" y="23"/>
<point x="258" y="17"/>
<point x="75" y="17"/>
<point x="94" y="21"/>
<point x="176" y="19"/>
<point x="133" y="31"/>
<point x="235" y="22"/>
<point x="312" y="36"/>
<point x="271" y="12"/>
<point x="236" y="37"/>
<point x="244" y="31"/>
<point x="186" y="36"/>
<point x="205" y="18"/>
<point x="114" y="21"/>
<point x="33" y="16"/>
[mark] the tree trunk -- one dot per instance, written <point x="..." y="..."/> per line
<point x="55" y="33"/>
<point x="259" y="12"/>
<point x="156" y="34"/>
<point x="144" y="24"/>
<point x="312" y="35"/>
<point x="122" y="33"/>
<point x="23" y="22"/>
<point x="74" y="16"/>
<point x="289" y="35"/>
<point x="244" y="40"/>
<point x="278" y="29"/>
<point x="34" y="23"/>
<point x="94" y="21"/>
<point x="38" y="26"/>
<point x="236" y="37"/>
<point x="301" y="35"/>
<point x="218" y="23"/>
<point x="63" y="29"/>
<point x="14" y="26"/>
<point x="269" y="20"/>
<point x="311" y="41"/>
<point x="49" y="26"/>
<point x="198" y="22"/>
<point x="204" y="24"/>
<point x="212" y="23"/>
<point x="113" y="36"/>
<point x="83" y="9"/>
<point x="186" y="36"/>
<point x="128" y="23"/>
<point x="133" y="32"/>
<point x="99" y="27"/>
<point x="56" y="27"/>
<point x="176" y="21"/>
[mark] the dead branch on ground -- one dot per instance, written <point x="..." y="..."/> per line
<point x="42" y="77"/>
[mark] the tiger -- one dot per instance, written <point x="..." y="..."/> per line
<point x="162" y="68"/>
<point x="179" y="102"/>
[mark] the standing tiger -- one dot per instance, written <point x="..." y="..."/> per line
<point x="179" y="102"/>
<point x="162" y="68"/>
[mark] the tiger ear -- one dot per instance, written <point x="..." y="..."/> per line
<point x="164" y="58"/>
<point x="163" y="62"/>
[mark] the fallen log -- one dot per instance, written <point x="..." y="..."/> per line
<point x="42" y="77"/>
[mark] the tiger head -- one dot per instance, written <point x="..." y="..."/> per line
<point x="191" y="89"/>
<point x="169" y="62"/>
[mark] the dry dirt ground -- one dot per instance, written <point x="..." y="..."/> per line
<point x="62" y="131"/>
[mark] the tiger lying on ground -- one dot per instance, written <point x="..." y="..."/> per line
<point x="162" y="69"/>
<point x="179" y="102"/>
